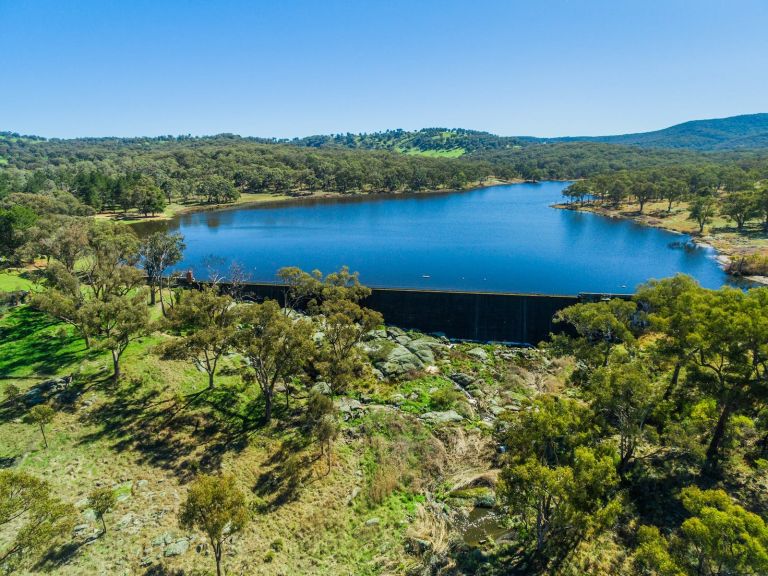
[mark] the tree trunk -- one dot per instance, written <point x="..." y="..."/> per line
<point x="162" y="301"/>
<point x="673" y="383"/>
<point x="103" y="525"/>
<point x="116" y="366"/>
<point x="217" y="555"/>
<point x="152" y="290"/>
<point x="267" y="407"/>
<point x="45" y="440"/>
<point x="210" y="379"/>
<point x="713" y="449"/>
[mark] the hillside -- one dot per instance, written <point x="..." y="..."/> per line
<point x="451" y="142"/>
<point x="744" y="132"/>
<point x="747" y="131"/>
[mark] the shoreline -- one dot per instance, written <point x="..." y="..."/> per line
<point x="725" y="251"/>
<point x="250" y="200"/>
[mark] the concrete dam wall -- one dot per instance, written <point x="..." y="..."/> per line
<point x="480" y="316"/>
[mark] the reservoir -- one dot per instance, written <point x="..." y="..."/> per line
<point x="504" y="238"/>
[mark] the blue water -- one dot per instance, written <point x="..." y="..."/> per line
<point x="504" y="238"/>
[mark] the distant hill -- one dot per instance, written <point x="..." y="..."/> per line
<point x="447" y="142"/>
<point x="734" y="133"/>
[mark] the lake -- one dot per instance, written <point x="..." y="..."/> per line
<point x="504" y="238"/>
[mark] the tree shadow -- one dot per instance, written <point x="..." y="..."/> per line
<point x="26" y="343"/>
<point x="285" y="472"/>
<point x="55" y="558"/>
<point x="182" y="436"/>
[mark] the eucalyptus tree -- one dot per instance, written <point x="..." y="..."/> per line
<point x="217" y="507"/>
<point x="207" y="325"/>
<point x="276" y="347"/>
<point x="38" y="519"/>
<point x="557" y="483"/>
<point x="159" y="252"/>
<point x="668" y="305"/>
<point x="740" y="207"/>
<point x="731" y="362"/>
<point x="702" y="209"/>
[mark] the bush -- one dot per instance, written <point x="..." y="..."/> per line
<point x="445" y="398"/>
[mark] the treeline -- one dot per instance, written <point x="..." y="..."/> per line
<point x="738" y="193"/>
<point x="120" y="174"/>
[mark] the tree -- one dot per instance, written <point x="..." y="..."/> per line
<point x="207" y="324"/>
<point x="39" y="519"/>
<point x="216" y="506"/>
<point x="12" y="393"/>
<point x="761" y="201"/>
<point x="158" y="252"/>
<point x="624" y="395"/>
<point x="740" y="207"/>
<point x="600" y="326"/>
<point x="116" y="322"/>
<point x="557" y="506"/>
<point x="719" y="538"/>
<point x="674" y="190"/>
<point x="702" y="208"/>
<point x="578" y="191"/>
<point x="732" y="354"/>
<point x="322" y="422"/>
<point x="275" y="346"/>
<point x="668" y="304"/>
<point x="101" y="501"/>
<point x="147" y="197"/>
<point x="217" y="189"/>
<point x="14" y="224"/>
<point x="643" y="192"/>
<point x="41" y="415"/>
<point x="344" y="325"/>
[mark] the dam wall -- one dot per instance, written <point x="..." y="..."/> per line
<point x="478" y="316"/>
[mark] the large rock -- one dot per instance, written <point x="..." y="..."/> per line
<point x="422" y="347"/>
<point x="463" y="380"/>
<point x="442" y="417"/>
<point x="399" y="361"/>
<point x="478" y="353"/>
<point x="348" y="407"/>
<point x="176" y="548"/>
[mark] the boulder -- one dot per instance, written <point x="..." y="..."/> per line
<point x="442" y="417"/>
<point x="322" y="388"/>
<point x="462" y="379"/>
<point x="176" y="548"/>
<point x="478" y="353"/>
<point x="348" y="406"/>
<point x="399" y="361"/>
<point x="372" y="521"/>
<point x="422" y="347"/>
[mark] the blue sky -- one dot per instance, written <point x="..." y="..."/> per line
<point x="297" y="67"/>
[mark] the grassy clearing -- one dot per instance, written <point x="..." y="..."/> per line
<point x="175" y="208"/>
<point x="446" y="153"/>
<point x="11" y="281"/>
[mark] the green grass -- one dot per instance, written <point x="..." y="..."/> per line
<point x="32" y="344"/>
<point x="443" y="153"/>
<point x="11" y="281"/>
